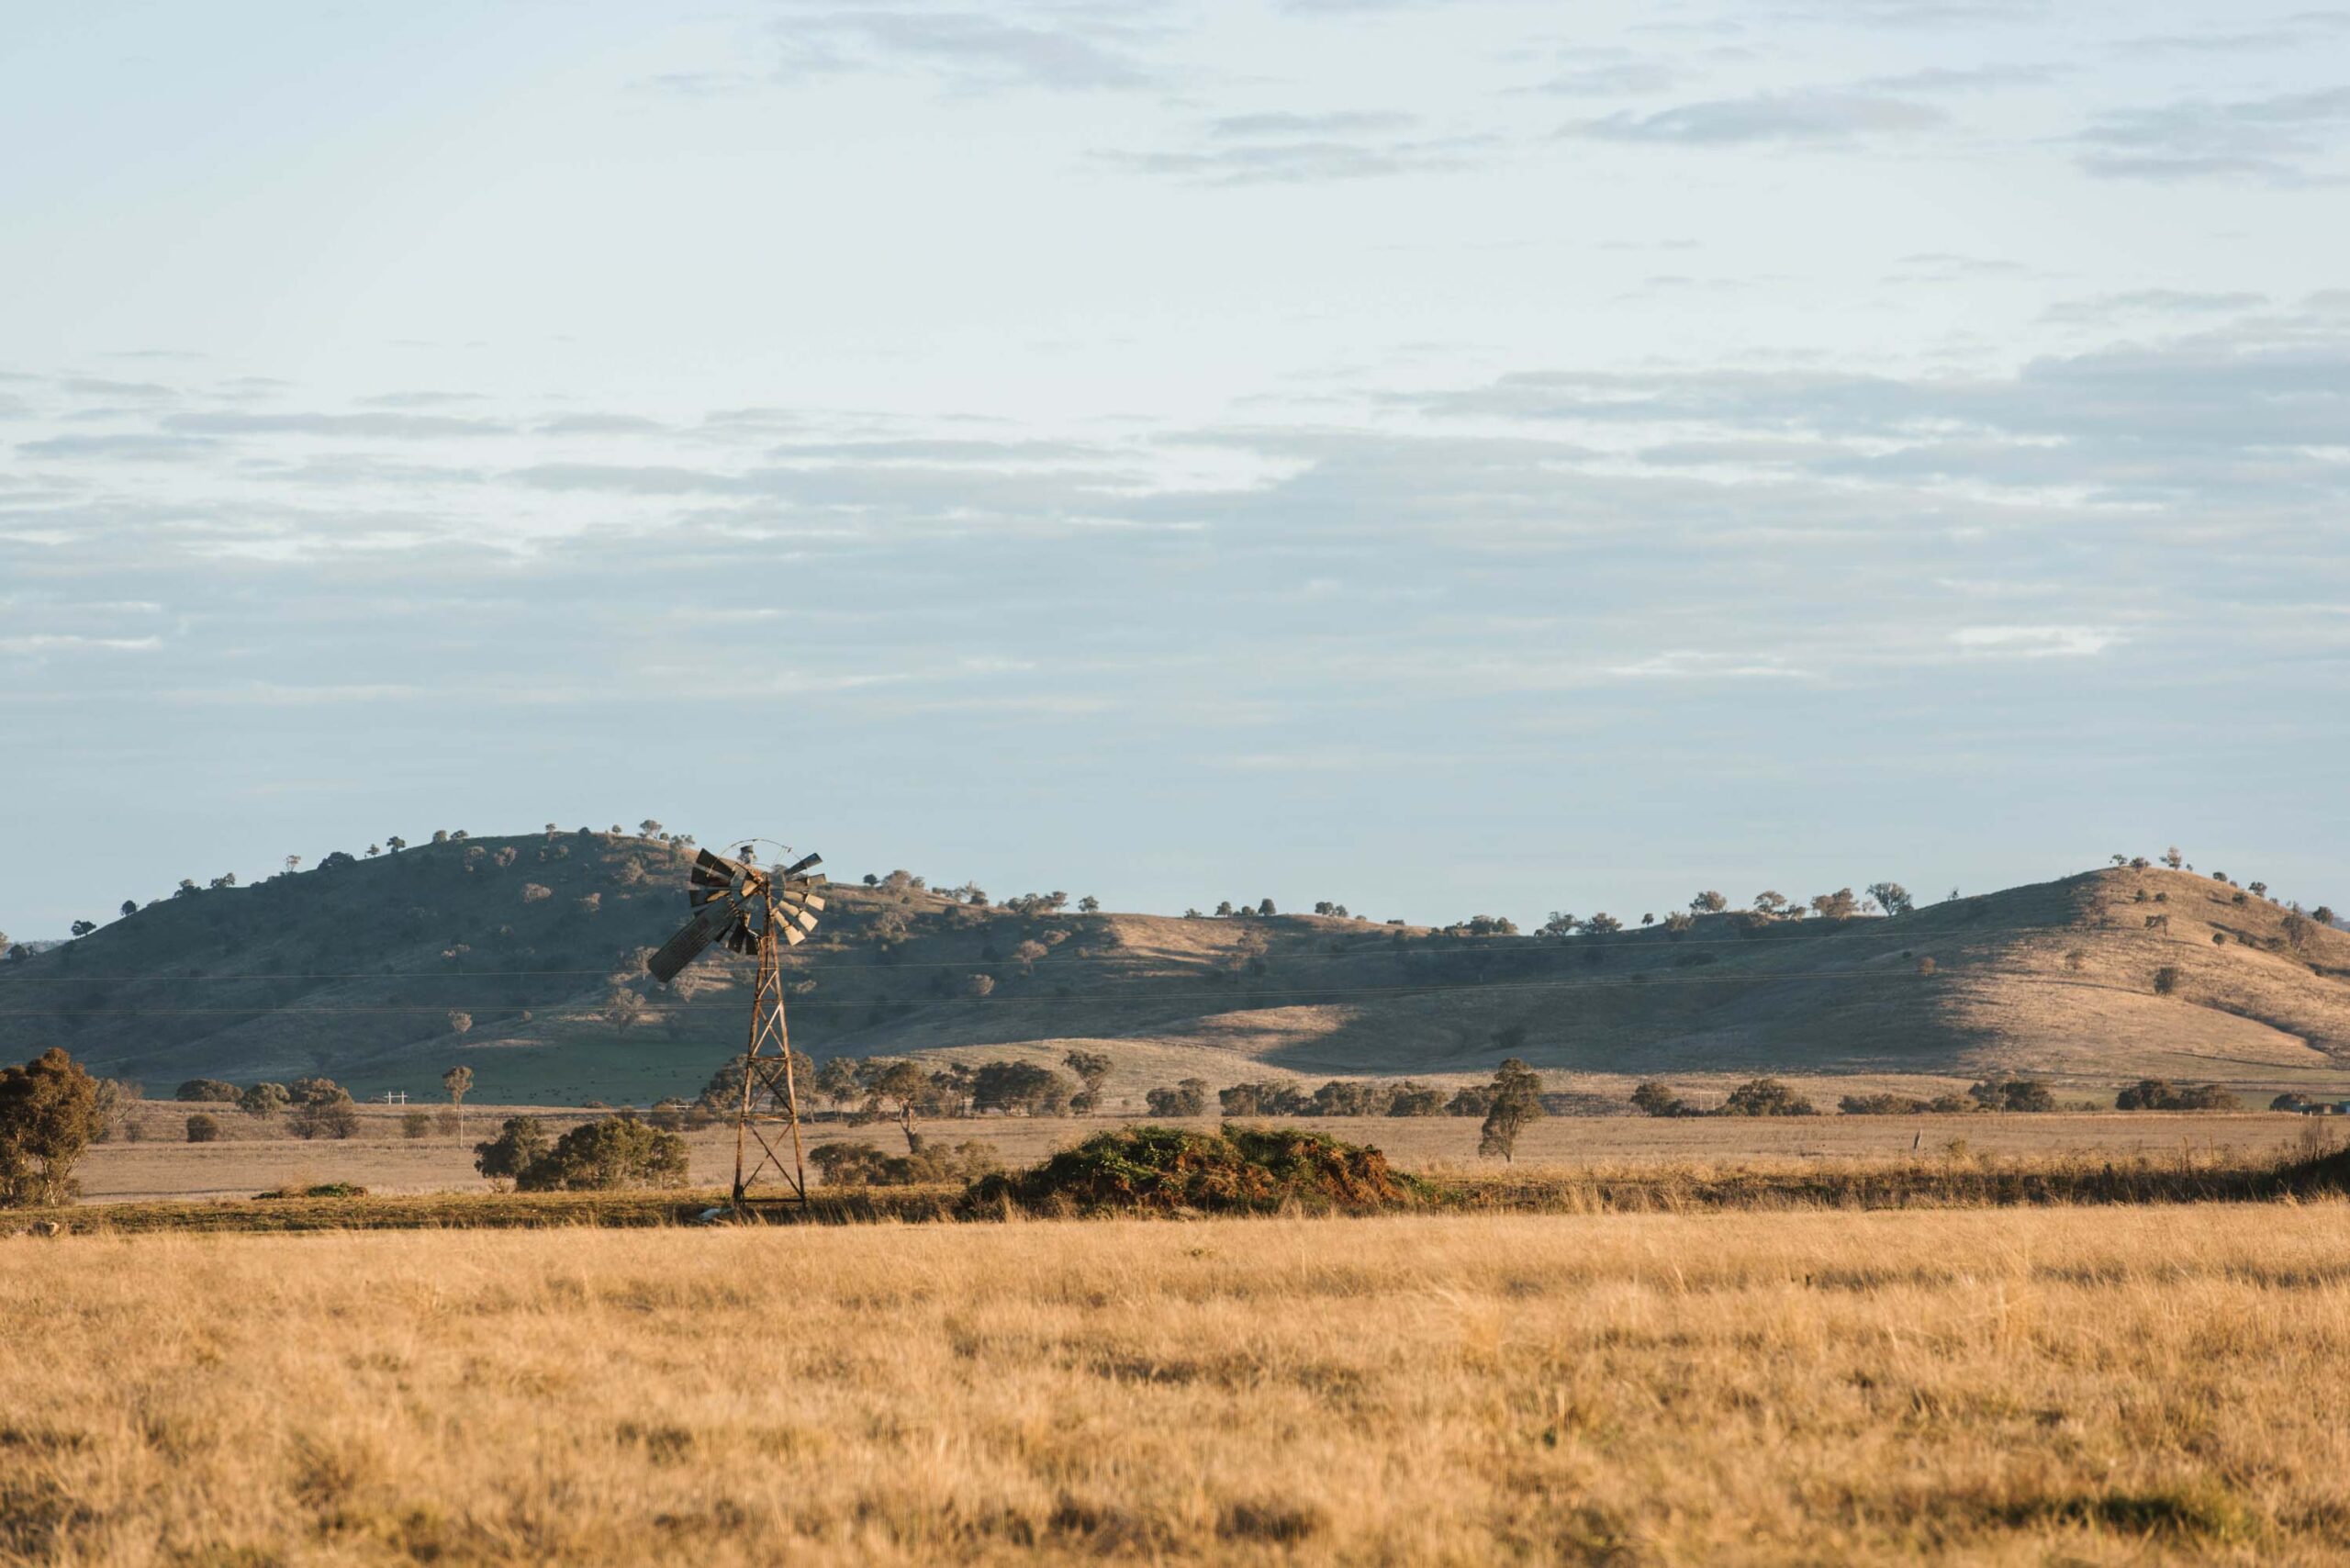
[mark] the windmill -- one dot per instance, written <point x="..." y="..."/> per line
<point x="752" y="911"/>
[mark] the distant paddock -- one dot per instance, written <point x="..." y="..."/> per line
<point x="385" y="1162"/>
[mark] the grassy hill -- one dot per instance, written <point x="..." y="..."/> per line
<point x="356" y="968"/>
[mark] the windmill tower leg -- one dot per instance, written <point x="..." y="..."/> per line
<point x="767" y="1069"/>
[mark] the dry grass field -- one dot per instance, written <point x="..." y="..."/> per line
<point x="2111" y="1385"/>
<point x="383" y="1162"/>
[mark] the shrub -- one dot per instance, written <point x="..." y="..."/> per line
<point x="1886" y="1106"/>
<point x="1188" y="1098"/>
<point x="206" y="1091"/>
<point x="202" y="1128"/>
<point x="519" y="1145"/>
<point x="322" y="1108"/>
<point x="49" y="1115"/>
<point x="1766" y="1097"/>
<point x="264" y="1099"/>
<point x="1241" y="1169"/>
<point x="856" y="1164"/>
<point x="2166" y="980"/>
<point x="1412" y="1099"/>
<point x="1657" y="1100"/>
<point x="2154" y="1095"/>
<point x="416" y="1123"/>
<point x="2014" y="1094"/>
<point x="600" y="1156"/>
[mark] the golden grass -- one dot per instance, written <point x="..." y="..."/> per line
<point x="2112" y="1385"/>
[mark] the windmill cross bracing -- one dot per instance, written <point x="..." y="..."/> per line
<point x="752" y="911"/>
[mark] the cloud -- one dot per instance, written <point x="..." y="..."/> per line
<point x="971" y="51"/>
<point x="1817" y="117"/>
<point x="601" y="424"/>
<point x="145" y="446"/>
<point x="2036" y="641"/>
<point x="2280" y="140"/>
<point x="391" y="426"/>
<point x="2104" y="308"/>
<point x="1299" y="148"/>
<point x="1962" y="79"/>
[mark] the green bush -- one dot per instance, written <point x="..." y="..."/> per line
<point x="1236" y="1170"/>
<point x="851" y="1163"/>
<point x="519" y="1144"/>
<point x="202" y="1128"/>
<point x="1766" y="1097"/>
<point x="206" y="1091"/>
<point x="602" y="1155"/>
<point x="49" y="1113"/>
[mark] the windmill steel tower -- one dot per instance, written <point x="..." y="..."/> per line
<point x="753" y="912"/>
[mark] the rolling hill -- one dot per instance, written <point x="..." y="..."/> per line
<point x="521" y="958"/>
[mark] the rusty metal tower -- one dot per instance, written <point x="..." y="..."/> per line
<point x="754" y="911"/>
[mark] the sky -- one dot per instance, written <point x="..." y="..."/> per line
<point x="1445" y="458"/>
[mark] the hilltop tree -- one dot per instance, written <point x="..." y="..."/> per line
<point x="1892" y="897"/>
<point x="649" y="828"/>
<point x="1709" y="902"/>
<point x="1837" y="905"/>
<point x="1517" y="1104"/>
<point x="1770" y="903"/>
<point x="396" y="844"/>
<point x="1602" y="925"/>
<point x="2260" y="889"/>
<point x="2173" y="858"/>
<point x="83" y="927"/>
<point x="2297" y="929"/>
<point x="129" y="908"/>
<point x="1088" y="904"/>
<point x="2322" y="914"/>
<point x="49" y="1115"/>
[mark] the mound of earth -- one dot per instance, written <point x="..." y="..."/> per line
<point x="1167" y="1170"/>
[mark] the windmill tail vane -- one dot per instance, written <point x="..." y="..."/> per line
<point x="752" y="911"/>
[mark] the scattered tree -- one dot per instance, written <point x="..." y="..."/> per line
<point x="1093" y="1070"/>
<point x="203" y="1128"/>
<point x="456" y="1083"/>
<point x="206" y="1090"/>
<point x="129" y="908"/>
<point x="1892" y="897"/>
<point x="322" y="1108"/>
<point x="2166" y="980"/>
<point x="49" y="1115"/>
<point x="1709" y="902"/>
<point x="2173" y="858"/>
<point x="1088" y="904"/>
<point x="1516" y="1103"/>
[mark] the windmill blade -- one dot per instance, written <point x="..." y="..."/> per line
<point x="793" y="937"/>
<point x="685" y="946"/>
<point x="806" y="922"/>
<point x="716" y="870"/>
<point x="802" y="864"/>
<point x="740" y="939"/>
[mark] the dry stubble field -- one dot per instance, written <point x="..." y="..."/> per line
<point x="2107" y="1385"/>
